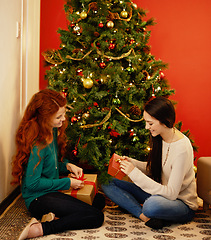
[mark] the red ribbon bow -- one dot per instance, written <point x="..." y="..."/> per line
<point x="74" y="191"/>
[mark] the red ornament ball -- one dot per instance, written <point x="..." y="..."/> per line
<point x="111" y="46"/>
<point x="162" y="75"/>
<point x="100" y="25"/>
<point x="74" y="119"/>
<point x="74" y="152"/>
<point x="102" y="65"/>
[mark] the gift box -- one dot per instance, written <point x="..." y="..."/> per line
<point x="88" y="192"/>
<point x="114" y="167"/>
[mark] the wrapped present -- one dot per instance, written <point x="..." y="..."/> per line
<point x="88" y="192"/>
<point x="114" y="167"/>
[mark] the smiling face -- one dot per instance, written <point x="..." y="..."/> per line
<point x="58" y="118"/>
<point x="153" y="125"/>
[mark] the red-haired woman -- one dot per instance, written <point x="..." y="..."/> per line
<point x="37" y="165"/>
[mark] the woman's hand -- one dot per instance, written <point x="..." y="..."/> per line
<point x="76" y="184"/>
<point x="126" y="167"/>
<point x="76" y="171"/>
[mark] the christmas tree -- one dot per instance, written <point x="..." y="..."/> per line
<point x="106" y="71"/>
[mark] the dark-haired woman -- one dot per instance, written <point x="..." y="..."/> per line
<point x="37" y="165"/>
<point x="163" y="190"/>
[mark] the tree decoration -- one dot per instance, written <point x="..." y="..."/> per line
<point x="135" y="139"/>
<point x="162" y="75"/>
<point x="124" y="14"/>
<point x="80" y="72"/>
<point x="131" y="132"/>
<point x="132" y="41"/>
<point x="114" y="133"/>
<point x="83" y="15"/>
<point x="111" y="45"/>
<point x="85" y="115"/>
<point x="76" y="28"/>
<point x="102" y="65"/>
<point x="74" y="119"/>
<point x="65" y="92"/>
<point x="135" y="5"/>
<point x="135" y="110"/>
<point x="101" y="25"/>
<point x="87" y="82"/>
<point x="110" y="24"/>
<point x="116" y="101"/>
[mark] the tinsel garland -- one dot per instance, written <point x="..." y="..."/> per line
<point x="50" y="54"/>
<point x="108" y="116"/>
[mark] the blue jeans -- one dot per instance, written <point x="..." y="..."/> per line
<point x="136" y="201"/>
<point x="73" y="214"/>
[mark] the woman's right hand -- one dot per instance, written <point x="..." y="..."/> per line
<point x="76" y="184"/>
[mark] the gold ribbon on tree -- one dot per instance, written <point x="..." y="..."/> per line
<point x="131" y="120"/>
<point x="116" y="58"/>
<point x="108" y="116"/>
<point x="98" y="124"/>
<point x="53" y="57"/>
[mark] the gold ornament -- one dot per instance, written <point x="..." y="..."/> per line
<point x="110" y="24"/>
<point x="124" y="14"/>
<point x="87" y="82"/>
<point x="83" y="15"/>
<point x="85" y="115"/>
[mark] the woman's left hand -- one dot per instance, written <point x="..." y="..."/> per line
<point x="76" y="171"/>
<point x="126" y="167"/>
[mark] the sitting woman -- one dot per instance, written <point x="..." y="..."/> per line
<point x="163" y="190"/>
<point x="37" y="165"/>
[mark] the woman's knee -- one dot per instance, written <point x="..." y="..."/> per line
<point x="152" y="206"/>
<point x="98" y="218"/>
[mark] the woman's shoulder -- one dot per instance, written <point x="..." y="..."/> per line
<point x="183" y="144"/>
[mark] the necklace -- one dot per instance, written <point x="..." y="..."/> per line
<point x="167" y="153"/>
<point x="53" y="153"/>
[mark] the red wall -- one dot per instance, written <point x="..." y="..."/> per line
<point x="180" y="38"/>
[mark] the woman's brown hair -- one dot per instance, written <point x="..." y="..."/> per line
<point x="34" y="129"/>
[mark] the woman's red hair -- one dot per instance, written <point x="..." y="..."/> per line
<point x="34" y="129"/>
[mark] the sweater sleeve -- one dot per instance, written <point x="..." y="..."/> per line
<point x="176" y="173"/>
<point x="62" y="167"/>
<point x="41" y="174"/>
<point x="140" y="165"/>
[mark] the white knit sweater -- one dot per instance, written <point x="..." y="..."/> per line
<point x="178" y="178"/>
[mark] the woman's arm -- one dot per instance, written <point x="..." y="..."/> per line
<point x="42" y="175"/>
<point x="179" y="168"/>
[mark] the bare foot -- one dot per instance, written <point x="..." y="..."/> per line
<point x="35" y="230"/>
<point x="144" y="218"/>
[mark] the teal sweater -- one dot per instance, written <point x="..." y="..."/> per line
<point x="44" y="178"/>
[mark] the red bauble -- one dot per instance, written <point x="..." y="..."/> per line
<point x="74" y="152"/>
<point x="74" y="119"/>
<point x="111" y="46"/>
<point x="80" y="72"/>
<point x="100" y="25"/>
<point x="162" y="75"/>
<point x="102" y="65"/>
<point x="64" y="94"/>
<point x="114" y="133"/>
